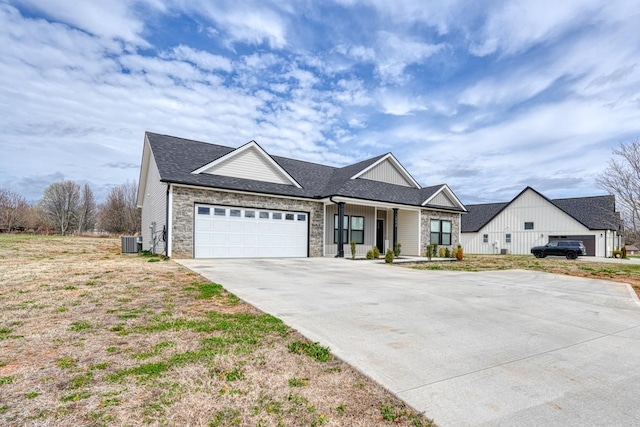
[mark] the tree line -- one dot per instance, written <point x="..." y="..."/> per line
<point x="66" y="207"/>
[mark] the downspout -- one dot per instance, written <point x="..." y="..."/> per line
<point x="166" y="223"/>
<point x="605" y="243"/>
<point x="340" y="242"/>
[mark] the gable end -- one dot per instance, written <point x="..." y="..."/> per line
<point x="249" y="162"/>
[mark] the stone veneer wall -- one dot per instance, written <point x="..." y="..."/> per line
<point x="184" y="199"/>
<point x="427" y="216"/>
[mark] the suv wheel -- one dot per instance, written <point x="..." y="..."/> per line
<point x="538" y="254"/>
<point x="571" y="255"/>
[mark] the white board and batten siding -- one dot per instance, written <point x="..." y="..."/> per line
<point x="241" y="232"/>
<point x="386" y="172"/>
<point x="547" y="219"/>
<point x="249" y="164"/>
<point x="154" y="208"/>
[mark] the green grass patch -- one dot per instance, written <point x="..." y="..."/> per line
<point x="74" y="397"/>
<point x="66" y="362"/>
<point x="298" y="382"/>
<point x="314" y="350"/>
<point x="80" y="326"/>
<point x="6" y="380"/>
<point x="147" y="370"/>
<point x="5" y="333"/>
<point x="32" y="395"/>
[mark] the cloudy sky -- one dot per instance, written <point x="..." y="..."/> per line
<point x="488" y="97"/>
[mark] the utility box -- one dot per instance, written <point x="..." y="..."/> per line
<point x="130" y="245"/>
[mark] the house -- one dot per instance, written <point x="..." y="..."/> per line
<point x="201" y="200"/>
<point x="632" y="249"/>
<point x="531" y="219"/>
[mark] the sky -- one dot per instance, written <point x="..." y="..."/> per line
<point x="487" y="97"/>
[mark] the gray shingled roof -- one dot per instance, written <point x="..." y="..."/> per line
<point x="177" y="157"/>
<point x="595" y="213"/>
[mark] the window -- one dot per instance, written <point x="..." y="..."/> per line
<point x="219" y="212"/>
<point x="440" y="232"/>
<point x="277" y="215"/>
<point x="357" y="229"/>
<point x="528" y="225"/>
<point x="507" y="238"/>
<point x="302" y="217"/>
<point x="203" y="211"/>
<point x="485" y="238"/>
<point x="234" y="212"/>
<point x="264" y="215"/>
<point x="345" y="228"/>
<point x="288" y="217"/>
<point x="249" y="214"/>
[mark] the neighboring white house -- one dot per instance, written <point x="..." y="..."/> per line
<point x="531" y="219"/>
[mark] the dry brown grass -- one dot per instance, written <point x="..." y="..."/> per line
<point x="618" y="272"/>
<point x="92" y="337"/>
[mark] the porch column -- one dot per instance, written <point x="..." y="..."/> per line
<point x="340" y="251"/>
<point x="395" y="228"/>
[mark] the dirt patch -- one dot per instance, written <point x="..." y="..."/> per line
<point x="89" y="336"/>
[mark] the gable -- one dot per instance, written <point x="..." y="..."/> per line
<point x="249" y="162"/>
<point x="388" y="170"/>
<point x="441" y="199"/>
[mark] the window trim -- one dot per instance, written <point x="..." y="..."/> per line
<point x="507" y="238"/>
<point x="485" y="238"/>
<point x="345" y="226"/>
<point x="359" y="241"/>
<point x="440" y="234"/>
<point x="532" y="227"/>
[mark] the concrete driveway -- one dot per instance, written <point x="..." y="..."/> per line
<point x="507" y="348"/>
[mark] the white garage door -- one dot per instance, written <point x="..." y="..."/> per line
<point x="233" y="232"/>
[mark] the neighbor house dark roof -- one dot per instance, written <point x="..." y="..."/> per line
<point x="177" y="157"/>
<point x="595" y="213"/>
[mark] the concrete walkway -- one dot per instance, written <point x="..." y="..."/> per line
<point x="508" y="348"/>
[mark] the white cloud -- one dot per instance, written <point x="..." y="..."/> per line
<point x="203" y="60"/>
<point x="517" y="26"/>
<point x="110" y="19"/>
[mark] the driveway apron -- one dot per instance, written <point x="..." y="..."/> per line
<point x="505" y="348"/>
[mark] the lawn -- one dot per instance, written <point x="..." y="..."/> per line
<point x="89" y="336"/>
<point x="618" y="272"/>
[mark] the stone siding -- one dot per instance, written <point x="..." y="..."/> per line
<point x="425" y="226"/>
<point x="184" y="200"/>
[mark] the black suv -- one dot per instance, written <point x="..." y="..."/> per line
<point x="569" y="248"/>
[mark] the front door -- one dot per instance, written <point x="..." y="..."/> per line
<point x="380" y="235"/>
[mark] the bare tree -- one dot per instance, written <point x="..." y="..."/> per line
<point x="119" y="213"/>
<point x="59" y="205"/>
<point x="87" y="210"/>
<point x="622" y="179"/>
<point x="13" y="210"/>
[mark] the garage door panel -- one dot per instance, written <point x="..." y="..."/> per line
<point x="250" y="233"/>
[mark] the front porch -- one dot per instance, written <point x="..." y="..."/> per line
<point x="372" y="225"/>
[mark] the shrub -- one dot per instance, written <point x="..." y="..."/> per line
<point x="388" y="258"/>
<point x="369" y="254"/>
<point x="447" y="252"/>
<point x="376" y="252"/>
<point x="429" y="252"/>
<point x="353" y="249"/>
<point x="441" y="252"/>
<point x="623" y="252"/>
<point x="617" y="253"/>
<point x="397" y="249"/>
<point x="460" y="253"/>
